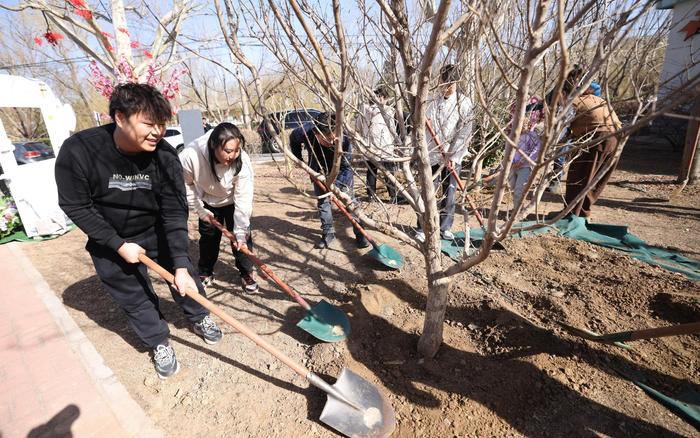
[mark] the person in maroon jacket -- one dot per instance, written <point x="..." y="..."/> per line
<point x="122" y="185"/>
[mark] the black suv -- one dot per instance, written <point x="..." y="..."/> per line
<point x="290" y="119"/>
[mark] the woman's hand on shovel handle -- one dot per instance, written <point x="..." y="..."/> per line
<point x="183" y="281"/>
<point x="130" y="252"/>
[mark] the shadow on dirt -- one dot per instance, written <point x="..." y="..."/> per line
<point x="533" y="401"/>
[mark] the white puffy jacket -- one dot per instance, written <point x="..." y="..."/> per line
<point x="377" y="126"/>
<point x="202" y="186"/>
<point x="452" y="121"/>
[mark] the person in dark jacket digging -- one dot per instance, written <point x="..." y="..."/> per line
<point x="319" y="138"/>
<point x="122" y="185"/>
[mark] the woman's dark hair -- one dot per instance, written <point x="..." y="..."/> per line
<point x="131" y="98"/>
<point x="222" y="134"/>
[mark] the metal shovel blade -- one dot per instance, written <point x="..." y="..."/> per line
<point x="387" y="256"/>
<point x="375" y="418"/>
<point x="326" y="322"/>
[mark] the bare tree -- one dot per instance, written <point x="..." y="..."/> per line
<point x="102" y="32"/>
<point x="506" y="53"/>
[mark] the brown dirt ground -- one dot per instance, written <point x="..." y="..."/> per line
<point x="495" y="375"/>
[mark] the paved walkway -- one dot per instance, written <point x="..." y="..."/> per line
<point x="52" y="380"/>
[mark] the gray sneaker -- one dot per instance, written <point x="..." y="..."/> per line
<point x="208" y="330"/>
<point x="447" y="235"/>
<point x="165" y="361"/>
<point x="325" y="241"/>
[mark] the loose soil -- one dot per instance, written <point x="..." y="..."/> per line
<point x="505" y="368"/>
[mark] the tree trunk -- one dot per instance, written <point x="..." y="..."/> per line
<point x="245" y="102"/>
<point x="121" y="30"/>
<point x="438" y="290"/>
<point x="690" y="165"/>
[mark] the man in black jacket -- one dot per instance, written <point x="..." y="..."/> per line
<point x="122" y="185"/>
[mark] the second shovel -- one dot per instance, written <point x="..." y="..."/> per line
<point x="323" y="321"/>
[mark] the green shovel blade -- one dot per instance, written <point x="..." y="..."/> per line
<point x="387" y="256"/>
<point x="326" y="322"/>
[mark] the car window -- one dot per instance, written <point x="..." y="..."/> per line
<point x="37" y="147"/>
<point x="297" y="118"/>
<point x="171" y="132"/>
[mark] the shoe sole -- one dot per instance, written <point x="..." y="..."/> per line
<point x="210" y="342"/>
<point x="207" y="340"/>
<point x="177" y="370"/>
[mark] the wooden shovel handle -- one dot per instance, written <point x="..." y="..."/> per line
<point x="472" y="205"/>
<point x="240" y="327"/>
<point x="248" y="253"/>
<point x="660" y="332"/>
<point x="347" y="214"/>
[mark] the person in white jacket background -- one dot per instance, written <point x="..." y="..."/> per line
<point x="219" y="177"/>
<point x="450" y="113"/>
<point x="377" y="125"/>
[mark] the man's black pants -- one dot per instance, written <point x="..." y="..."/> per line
<point x="130" y="286"/>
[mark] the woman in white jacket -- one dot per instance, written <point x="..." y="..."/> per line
<point x="219" y="184"/>
<point x="377" y="125"/>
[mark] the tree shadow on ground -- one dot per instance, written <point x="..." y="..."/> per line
<point x="531" y="400"/>
<point x="651" y="208"/>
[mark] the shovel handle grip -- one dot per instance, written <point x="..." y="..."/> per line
<point x="233" y="322"/>
<point x="347" y="214"/>
<point x="660" y="332"/>
<point x="248" y="253"/>
<point x="470" y="201"/>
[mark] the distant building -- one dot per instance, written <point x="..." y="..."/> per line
<point x="682" y="60"/>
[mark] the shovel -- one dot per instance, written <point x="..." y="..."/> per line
<point x="634" y="335"/>
<point x="496" y="245"/>
<point x="354" y="407"/>
<point x="323" y="321"/>
<point x="383" y="253"/>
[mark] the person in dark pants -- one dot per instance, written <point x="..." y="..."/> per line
<point x="122" y="185"/>
<point x="450" y="113"/>
<point x="319" y="140"/>
<point x="376" y="123"/>
<point x="219" y="183"/>
<point x="594" y="122"/>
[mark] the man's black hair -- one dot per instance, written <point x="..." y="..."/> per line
<point x="449" y="74"/>
<point x="382" y="91"/>
<point x="222" y="134"/>
<point x="131" y="98"/>
<point x="325" y="122"/>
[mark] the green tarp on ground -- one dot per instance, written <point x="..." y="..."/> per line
<point x="686" y="406"/>
<point x="607" y="235"/>
<point x="21" y="236"/>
